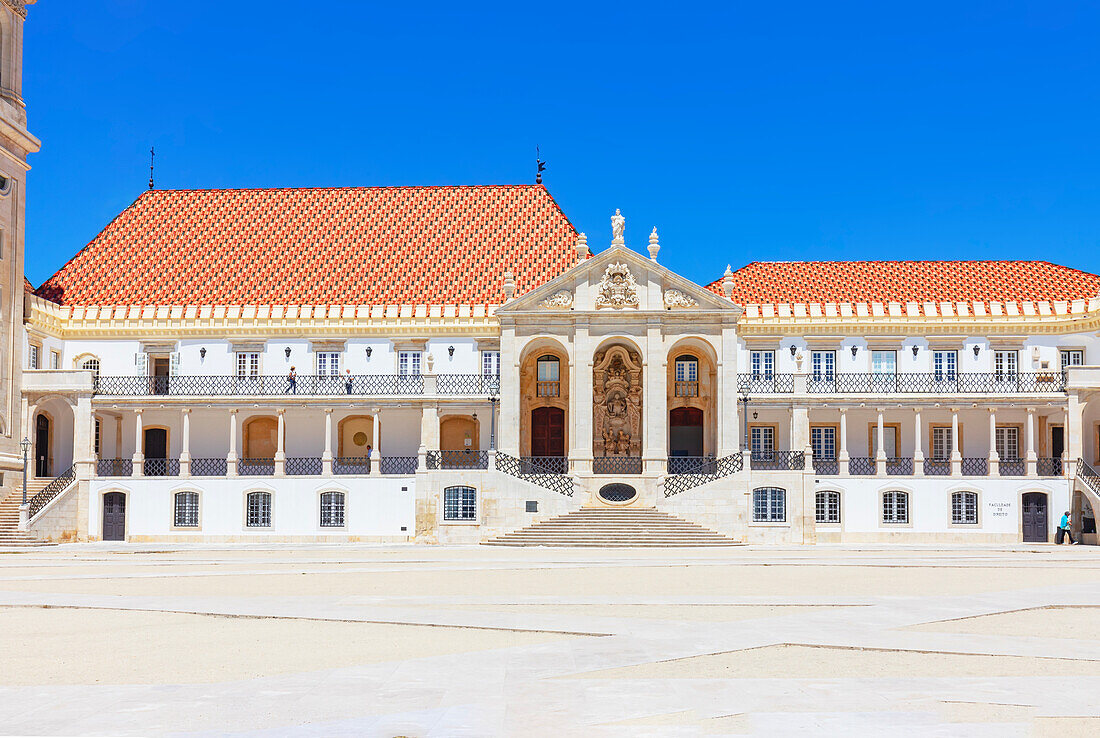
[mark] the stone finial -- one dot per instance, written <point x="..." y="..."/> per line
<point x="727" y="282"/>
<point x="654" y="247"/>
<point x="509" y="286"/>
<point x="582" y="247"/>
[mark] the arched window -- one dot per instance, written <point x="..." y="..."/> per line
<point x="769" y="505"/>
<point x="93" y="365"/>
<point x="964" y="508"/>
<point x="549" y="376"/>
<point x="332" y="509"/>
<point x="828" y="506"/>
<point x="186" y="510"/>
<point x="687" y="376"/>
<point x="258" y="514"/>
<point x="895" y="507"/>
<point x="460" y="503"/>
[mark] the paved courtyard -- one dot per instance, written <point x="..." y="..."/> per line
<point x="329" y="640"/>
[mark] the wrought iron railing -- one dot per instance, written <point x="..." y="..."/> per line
<point x="59" y="484"/>
<point x="676" y="483"/>
<point x="114" y="467"/>
<point x="208" y="467"/>
<point x="936" y="383"/>
<point x="617" y="465"/>
<point x="468" y="384"/>
<point x="398" y="464"/>
<point x="458" y="459"/>
<point x="686" y="389"/>
<point x="1049" y="466"/>
<point x="937" y="468"/>
<point x="303" y="466"/>
<point x="691" y="464"/>
<point x="862" y="466"/>
<point x="544" y="464"/>
<point x="826" y="467"/>
<point x="1088" y="475"/>
<point x="821" y="384"/>
<point x="351" y="465"/>
<point x="777" y="460"/>
<point x="765" y="384"/>
<point x="531" y="471"/>
<point x="548" y="389"/>
<point x="161" y="467"/>
<point x="256" y="467"/>
<point x="1012" y="467"/>
<point x="266" y="385"/>
<point x="899" y="466"/>
<point x="975" y="467"/>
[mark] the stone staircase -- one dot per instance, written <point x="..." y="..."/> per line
<point x="610" y="527"/>
<point x="10" y="534"/>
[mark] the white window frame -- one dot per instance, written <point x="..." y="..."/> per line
<point x="32" y="356"/>
<point x="548" y="360"/>
<point x="408" y="363"/>
<point x="769" y="505"/>
<point x="328" y="363"/>
<point x="687" y="370"/>
<point x="248" y="364"/>
<point x="55" y="359"/>
<point x="879" y="365"/>
<point x="1071" y="357"/>
<point x="1006" y="364"/>
<point x="761" y="439"/>
<point x="895" y="507"/>
<point x="945" y="365"/>
<point x="762" y="364"/>
<point x="823" y="364"/>
<point x="490" y="363"/>
<point x="460" y="504"/>
<point x="827" y="507"/>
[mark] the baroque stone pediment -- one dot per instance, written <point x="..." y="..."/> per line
<point x="617" y="289"/>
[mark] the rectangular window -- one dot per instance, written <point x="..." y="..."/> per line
<point x="889" y="440"/>
<point x="769" y="505"/>
<point x="964" y="508"/>
<point x="1072" y="357"/>
<point x="884" y="362"/>
<point x="687" y="370"/>
<point x="895" y="507"/>
<point x="408" y="363"/>
<point x="98" y="447"/>
<point x="823" y="441"/>
<point x="828" y="507"/>
<point x="1008" y="442"/>
<point x="762" y="364"/>
<point x="1004" y="364"/>
<point x="259" y="510"/>
<point x="248" y="364"/>
<point x="762" y="438"/>
<point x="490" y="363"/>
<point x="55" y="360"/>
<point x="460" y="503"/>
<point x="332" y="510"/>
<point x="32" y="357"/>
<point x="823" y="364"/>
<point x="945" y="365"/>
<point x="941" y="443"/>
<point x="328" y="364"/>
<point x="186" y="510"/>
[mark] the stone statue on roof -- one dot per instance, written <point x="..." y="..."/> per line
<point x="618" y="225"/>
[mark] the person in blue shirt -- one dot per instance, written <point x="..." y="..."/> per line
<point x="1063" y="530"/>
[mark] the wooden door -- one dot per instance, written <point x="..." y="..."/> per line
<point x="42" y="446"/>
<point x="1035" y="517"/>
<point x="114" y="516"/>
<point x="548" y="431"/>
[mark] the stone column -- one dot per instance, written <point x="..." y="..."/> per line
<point x="880" y="441"/>
<point x="508" y="433"/>
<point x="918" y="443"/>
<point x="729" y="405"/>
<point x="138" y="457"/>
<point x="655" y="392"/>
<point x="580" y="400"/>
<point x="231" y="457"/>
<point x="1075" y="416"/>
<point x="375" y="452"/>
<point x="185" y="447"/>
<point x="429" y="433"/>
<point x="326" y="455"/>
<point x="994" y="457"/>
<point x="956" y="454"/>
<point x="84" y="439"/>
<point x="800" y="432"/>
<point x="280" y="441"/>
<point x="1031" y="457"/>
<point x="842" y="455"/>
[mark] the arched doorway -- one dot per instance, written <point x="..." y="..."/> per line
<point x="548" y="431"/>
<point x="114" y="516"/>
<point x="357" y="436"/>
<point x="685" y="431"/>
<point x="155" y="451"/>
<point x="261" y="437"/>
<point x="459" y="433"/>
<point x="42" y="451"/>
<point x="544" y="401"/>
<point x="1034" y="517"/>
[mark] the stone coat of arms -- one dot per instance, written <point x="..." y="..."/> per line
<point x="617" y="289"/>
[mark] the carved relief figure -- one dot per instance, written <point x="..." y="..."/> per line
<point x="617" y="403"/>
<point x="560" y="299"/>
<point x="617" y="289"/>
<point x="677" y="299"/>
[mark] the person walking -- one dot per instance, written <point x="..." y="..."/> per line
<point x="1064" y="531"/>
<point x="292" y="382"/>
<point x="347" y="380"/>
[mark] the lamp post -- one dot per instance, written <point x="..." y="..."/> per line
<point x="493" y="423"/>
<point x="26" y="444"/>
<point x="744" y="421"/>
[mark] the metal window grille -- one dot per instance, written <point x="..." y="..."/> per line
<point x="187" y="510"/>
<point x="93" y="365"/>
<point x="332" y="509"/>
<point x="964" y="508"/>
<point x="828" y="507"/>
<point x="259" y="510"/>
<point x="769" y="505"/>
<point x="895" y="507"/>
<point x="460" y="503"/>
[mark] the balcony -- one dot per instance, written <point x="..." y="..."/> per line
<point x="464" y="459"/>
<point x="777" y="460"/>
<point x="295" y="466"/>
<point x="686" y="389"/>
<point x="548" y="389"/>
<point x="905" y="383"/>
<point x="356" y="385"/>
<point x="617" y="465"/>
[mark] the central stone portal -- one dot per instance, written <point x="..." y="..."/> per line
<point x="617" y="403"/>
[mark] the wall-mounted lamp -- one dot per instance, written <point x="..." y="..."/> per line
<point x="475" y="417"/>
<point x="915" y="350"/>
<point x="369" y="351"/>
<point x="755" y="415"/>
<point x="793" y="349"/>
<point x="854" y="350"/>
<point x="287" y="352"/>
<point x="202" y="352"/>
<point x="977" y="348"/>
<point x="450" y="351"/>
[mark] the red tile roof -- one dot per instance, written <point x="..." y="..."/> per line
<point x="765" y="282"/>
<point x="335" y="246"/>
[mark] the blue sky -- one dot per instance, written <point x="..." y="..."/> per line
<point x="743" y="131"/>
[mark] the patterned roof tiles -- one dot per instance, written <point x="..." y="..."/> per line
<point x="321" y="246"/>
<point x="768" y="282"/>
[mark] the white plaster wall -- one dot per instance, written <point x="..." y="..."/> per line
<point x="115" y="357"/>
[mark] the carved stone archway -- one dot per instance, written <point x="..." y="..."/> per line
<point x="617" y="402"/>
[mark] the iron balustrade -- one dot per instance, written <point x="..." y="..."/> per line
<point x="936" y="383"/>
<point x="617" y="465"/>
<point x="398" y="464"/>
<point x="529" y="471"/>
<point x="161" y="467"/>
<point x="58" y="485"/>
<point x="899" y="466"/>
<point x="777" y="460"/>
<point x="351" y="465"/>
<point x="674" y="484"/>
<point x="464" y="459"/>
<point x="1049" y="466"/>
<point x="468" y="384"/>
<point x="1012" y="467"/>
<point x="686" y="389"/>
<point x="548" y="389"/>
<point x="862" y="466"/>
<point x="544" y="464"/>
<point x="691" y="464"/>
<point x="826" y="467"/>
<point x="937" y="468"/>
<point x="1088" y="475"/>
<point x="821" y="384"/>
<point x="303" y="466"/>
<point x="975" y="467"/>
<point x="209" y="467"/>
<point x="114" y="467"/>
<point x="765" y="384"/>
<point x="265" y="385"/>
<point x="256" y="467"/>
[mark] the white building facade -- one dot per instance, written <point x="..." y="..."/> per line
<point x="466" y="389"/>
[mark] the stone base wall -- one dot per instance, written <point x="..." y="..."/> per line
<point x="63" y="520"/>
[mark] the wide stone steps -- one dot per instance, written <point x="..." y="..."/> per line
<point x="611" y="528"/>
<point x="10" y="535"/>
